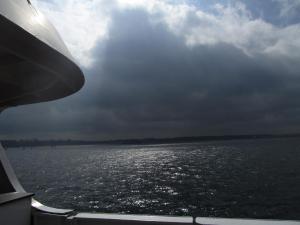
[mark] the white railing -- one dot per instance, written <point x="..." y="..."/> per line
<point x="116" y="219"/>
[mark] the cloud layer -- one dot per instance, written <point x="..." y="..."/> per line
<point x="160" y="68"/>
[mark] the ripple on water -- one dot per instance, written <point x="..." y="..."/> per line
<point x="226" y="179"/>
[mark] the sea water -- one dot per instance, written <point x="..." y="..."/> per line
<point x="240" y="178"/>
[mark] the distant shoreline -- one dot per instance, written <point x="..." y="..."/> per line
<point x="145" y="141"/>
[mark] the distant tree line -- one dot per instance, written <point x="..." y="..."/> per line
<point x="53" y="143"/>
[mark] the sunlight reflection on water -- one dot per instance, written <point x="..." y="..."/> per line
<point x="225" y="178"/>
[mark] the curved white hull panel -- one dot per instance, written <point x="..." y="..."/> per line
<point x="35" y="65"/>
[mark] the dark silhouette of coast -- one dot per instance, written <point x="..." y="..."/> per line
<point x="145" y="141"/>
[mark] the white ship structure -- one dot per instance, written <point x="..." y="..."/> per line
<point x="36" y="66"/>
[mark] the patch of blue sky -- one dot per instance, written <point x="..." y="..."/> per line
<point x="278" y="12"/>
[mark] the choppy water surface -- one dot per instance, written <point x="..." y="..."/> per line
<point x="249" y="178"/>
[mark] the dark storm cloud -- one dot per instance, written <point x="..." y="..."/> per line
<point x="146" y="82"/>
<point x="152" y="81"/>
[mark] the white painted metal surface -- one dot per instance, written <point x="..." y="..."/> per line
<point x="16" y="212"/>
<point x="38" y="66"/>
<point x="116" y="219"/>
<point x="101" y="218"/>
<point x="219" y="221"/>
<point x="42" y="208"/>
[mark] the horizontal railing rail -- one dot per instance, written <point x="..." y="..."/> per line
<point x="41" y="218"/>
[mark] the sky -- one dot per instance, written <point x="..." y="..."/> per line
<point x="162" y="68"/>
